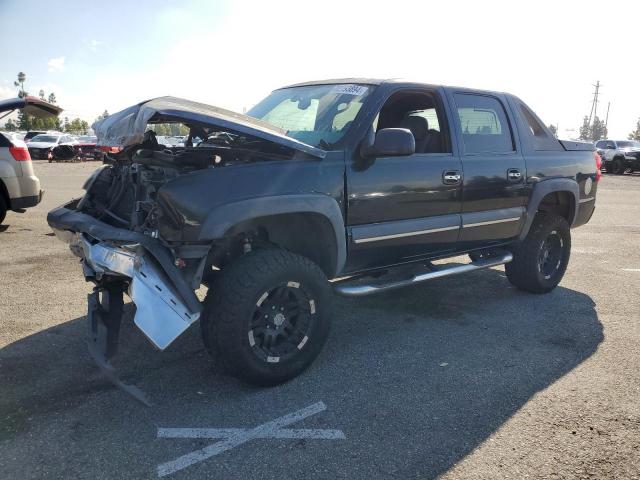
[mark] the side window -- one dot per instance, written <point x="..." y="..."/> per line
<point x="485" y="127"/>
<point x="430" y="115"/>
<point x="600" y="144"/>
<point x="420" y="113"/>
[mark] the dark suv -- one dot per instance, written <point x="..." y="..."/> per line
<point x="349" y="186"/>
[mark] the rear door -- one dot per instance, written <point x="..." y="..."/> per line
<point x="493" y="191"/>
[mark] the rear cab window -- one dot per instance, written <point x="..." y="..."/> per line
<point x="539" y="137"/>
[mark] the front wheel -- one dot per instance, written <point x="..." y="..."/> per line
<point x="539" y="262"/>
<point x="267" y="316"/>
<point x="618" y="167"/>
<point x="3" y="209"/>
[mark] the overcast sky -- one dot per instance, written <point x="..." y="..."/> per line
<point x="111" y="54"/>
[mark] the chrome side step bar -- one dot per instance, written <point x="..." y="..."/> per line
<point x="347" y="290"/>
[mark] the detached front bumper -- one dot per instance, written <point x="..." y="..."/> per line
<point x="165" y="305"/>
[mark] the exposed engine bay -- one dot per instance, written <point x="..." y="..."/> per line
<point x="124" y="192"/>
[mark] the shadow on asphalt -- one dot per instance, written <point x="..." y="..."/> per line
<point x="417" y="378"/>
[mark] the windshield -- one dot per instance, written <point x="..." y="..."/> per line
<point x="45" y="138"/>
<point x="319" y="115"/>
<point x="625" y="144"/>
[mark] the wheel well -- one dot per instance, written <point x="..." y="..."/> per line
<point x="308" y="234"/>
<point x="5" y="195"/>
<point x="560" y="203"/>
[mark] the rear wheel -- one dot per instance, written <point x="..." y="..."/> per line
<point x="540" y="261"/>
<point x="267" y="316"/>
<point x="617" y="166"/>
<point x="3" y="209"/>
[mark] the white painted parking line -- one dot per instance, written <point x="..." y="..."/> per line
<point x="631" y="269"/>
<point x="318" y="433"/>
<point x="234" y="437"/>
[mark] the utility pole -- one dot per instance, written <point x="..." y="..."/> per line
<point x="594" y="104"/>
<point x="606" y="120"/>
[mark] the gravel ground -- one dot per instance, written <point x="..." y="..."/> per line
<point x="464" y="377"/>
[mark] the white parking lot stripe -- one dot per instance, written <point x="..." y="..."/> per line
<point x="233" y="437"/>
<point x="317" y="433"/>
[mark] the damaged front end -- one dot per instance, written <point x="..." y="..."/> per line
<point x="118" y="262"/>
<point x="136" y="229"/>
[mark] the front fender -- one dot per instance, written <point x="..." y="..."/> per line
<point x="224" y="217"/>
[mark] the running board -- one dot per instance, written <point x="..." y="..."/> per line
<point x="346" y="290"/>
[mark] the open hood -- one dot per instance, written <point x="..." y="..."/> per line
<point x="31" y="105"/>
<point x="127" y="127"/>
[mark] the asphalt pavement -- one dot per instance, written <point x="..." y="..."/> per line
<point x="462" y="377"/>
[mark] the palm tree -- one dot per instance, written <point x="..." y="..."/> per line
<point x="20" y="83"/>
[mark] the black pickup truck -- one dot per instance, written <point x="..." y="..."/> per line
<point x="349" y="186"/>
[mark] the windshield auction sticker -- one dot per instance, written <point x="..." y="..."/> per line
<point x="350" y="89"/>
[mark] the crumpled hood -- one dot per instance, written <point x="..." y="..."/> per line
<point x="127" y="127"/>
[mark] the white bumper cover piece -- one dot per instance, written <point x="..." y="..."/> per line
<point x="161" y="314"/>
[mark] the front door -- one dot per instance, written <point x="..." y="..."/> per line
<point x="494" y="190"/>
<point x="403" y="208"/>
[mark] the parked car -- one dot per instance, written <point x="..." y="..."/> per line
<point x="13" y="135"/>
<point x="362" y="182"/>
<point x="19" y="186"/>
<point x="41" y="147"/>
<point x="170" y="141"/>
<point x="86" y="147"/>
<point x="618" y="156"/>
<point x="32" y="133"/>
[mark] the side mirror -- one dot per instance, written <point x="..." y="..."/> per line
<point x="391" y="142"/>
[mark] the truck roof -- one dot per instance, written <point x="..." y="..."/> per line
<point x="381" y="81"/>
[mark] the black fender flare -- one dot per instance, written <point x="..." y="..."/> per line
<point x="544" y="188"/>
<point x="224" y="217"/>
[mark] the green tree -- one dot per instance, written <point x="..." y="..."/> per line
<point x="598" y="130"/>
<point x="24" y="121"/>
<point x="102" y="116"/>
<point x="594" y="132"/>
<point x="41" y="94"/>
<point x="52" y="98"/>
<point x="22" y="77"/>
<point x="635" y="135"/>
<point x="10" y="126"/>
<point x="554" y="129"/>
<point x="585" y="129"/>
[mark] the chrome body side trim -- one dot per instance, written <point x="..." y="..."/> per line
<point x="491" y="222"/>
<point x="406" y="234"/>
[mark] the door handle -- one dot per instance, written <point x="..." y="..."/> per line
<point x="514" y="175"/>
<point x="451" y="177"/>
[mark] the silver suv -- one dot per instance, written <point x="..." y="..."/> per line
<point x="19" y="187"/>
<point x="618" y="156"/>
